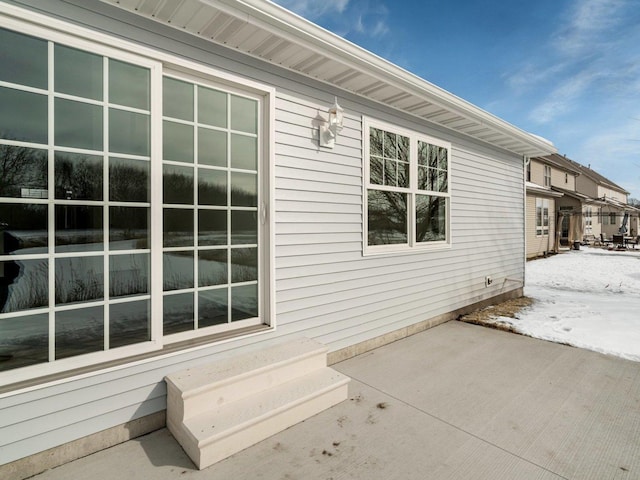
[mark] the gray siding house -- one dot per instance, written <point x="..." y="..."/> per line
<point x="174" y="191"/>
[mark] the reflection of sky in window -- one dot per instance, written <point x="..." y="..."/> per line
<point x="23" y="115"/>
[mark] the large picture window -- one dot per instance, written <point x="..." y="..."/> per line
<point x="97" y="259"/>
<point x="407" y="190"/>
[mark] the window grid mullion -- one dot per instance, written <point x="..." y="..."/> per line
<point x="51" y="195"/>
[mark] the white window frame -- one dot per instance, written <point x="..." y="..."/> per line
<point x="542" y="214"/>
<point x="411" y="245"/>
<point x="547" y="176"/>
<point x="63" y="33"/>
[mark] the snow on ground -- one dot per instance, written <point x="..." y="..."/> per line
<point x="588" y="298"/>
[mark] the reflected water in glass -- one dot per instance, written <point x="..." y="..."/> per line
<point x="129" y="275"/>
<point x="177" y="270"/>
<point x="78" y="228"/>
<point x="212" y="227"/>
<point x="178" y="227"/>
<point x="212" y="307"/>
<point x="23" y="228"/>
<point x="24" y="341"/>
<point x="178" y="313"/>
<point x="212" y="267"/>
<point x="244" y="265"/>
<point x="79" y="279"/>
<point x="244" y="227"/>
<point x="128" y="228"/>
<point x="129" y="323"/>
<point x="24" y="284"/>
<point x="79" y="331"/>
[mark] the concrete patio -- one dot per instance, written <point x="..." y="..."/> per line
<point x="455" y="402"/>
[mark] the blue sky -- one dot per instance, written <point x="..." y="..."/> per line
<point x="568" y="70"/>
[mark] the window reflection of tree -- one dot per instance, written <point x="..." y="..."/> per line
<point x="388" y="210"/>
<point x="21" y="167"/>
<point x="128" y="183"/>
<point x="78" y="177"/>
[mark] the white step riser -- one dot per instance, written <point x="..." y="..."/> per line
<point x="208" y="454"/>
<point x="193" y="403"/>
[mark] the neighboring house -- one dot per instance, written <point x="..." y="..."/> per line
<point x="549" y="204"/>
<point x="171" y="196"/>
<point x="606" y="207"/>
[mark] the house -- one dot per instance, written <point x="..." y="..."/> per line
<point x="187" y="181"/>
<point x="549" y="186"/>
<point x="603" y="203"/>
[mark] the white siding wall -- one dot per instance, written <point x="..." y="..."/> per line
<point x="325" y="288"/>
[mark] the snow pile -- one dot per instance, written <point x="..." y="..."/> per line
<point x="588" y="298"/>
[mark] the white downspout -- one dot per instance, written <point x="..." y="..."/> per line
<point x="525" y="162"/>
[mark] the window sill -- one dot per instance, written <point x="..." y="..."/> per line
<point x="170" y="349"/>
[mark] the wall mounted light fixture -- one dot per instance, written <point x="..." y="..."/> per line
<point x="329" y="130"/>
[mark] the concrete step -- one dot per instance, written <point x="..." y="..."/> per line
<point x="192" y="391"/>
<point x="217" y="410"/>
<point x="215" y="435"/>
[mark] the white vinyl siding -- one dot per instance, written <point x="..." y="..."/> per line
<point x="324" y="288"/>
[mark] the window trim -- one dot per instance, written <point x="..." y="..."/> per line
<point x="60" y="32"/>
<point x="542" y="230"/>
<point x="411" y="246"/>
<point x="547" y="176"/>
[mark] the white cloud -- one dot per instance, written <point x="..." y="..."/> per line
<point x="314" y="9"/>
<point x="588" y="21"/>
<point x="365" y="17"/>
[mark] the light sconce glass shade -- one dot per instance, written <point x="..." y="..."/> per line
<point x="329" y="131"/>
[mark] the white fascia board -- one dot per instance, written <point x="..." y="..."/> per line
<point x="282" y="22"/>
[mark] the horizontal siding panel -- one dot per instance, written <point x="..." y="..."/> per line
<point x="296" y="217"/>
<point x="312" y="186"/>
<point x="314" y="207"/>
<point x="300" y="228"/>
<point x="318" y="176"/>
<point x="318" y="249"/>
<point x="336" y="281"/>
<point x="319" y="162"/>
<point x="318" y="294"/>
<point x="320" y="197"/>
<point x="318" y="238"/>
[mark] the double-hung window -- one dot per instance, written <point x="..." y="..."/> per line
<point x="547" y="176"/>
<point x="407" y="190"/>
<point x="131" y="203"/>
<point x="542" y="216"/>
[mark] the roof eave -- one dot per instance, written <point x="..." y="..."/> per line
<point x="406" y="89"/>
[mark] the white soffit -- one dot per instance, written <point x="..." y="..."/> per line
<point x="273" y="34"/>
